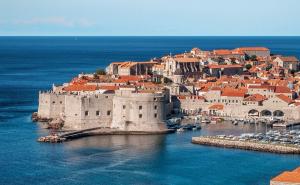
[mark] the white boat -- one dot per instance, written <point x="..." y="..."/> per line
<point x="205" y="121"/>
<point x="180" y="130"/>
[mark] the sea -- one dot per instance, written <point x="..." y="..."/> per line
<point x="31" y="64"/>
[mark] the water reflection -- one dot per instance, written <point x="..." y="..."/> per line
<point x="138" y="143"/>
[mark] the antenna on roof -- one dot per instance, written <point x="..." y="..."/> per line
<point x="170" y="54"/>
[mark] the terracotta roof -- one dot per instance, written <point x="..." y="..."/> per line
<point x="78" y="87"/>
<point x="222" y="52"/>
<point x="216" y="107"/>
<point x="253" y="49"/>
<point x="215" y="88"/>
<point x="112" y="88"/>
<point x="269" y="87"/>
<point x="127" y="64"/>
<point x="213" y="66"/>
<point x="289" y="59"/>
<point x="255" y="97"/>
<point x="282" y="89"/>
<point x="285" y="98"/>
<point x="186" y="59"/>
<point x="297" y="170"/>
<point x="130" y="78"/>
<point x="233" y="92"/>
<point x="288" y="177"/>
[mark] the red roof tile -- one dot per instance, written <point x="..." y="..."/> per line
<point x="285" y="98"/>
<point x="216" y="107"/>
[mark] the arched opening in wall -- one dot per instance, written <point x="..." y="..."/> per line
<point x="266" y="113"/>
<point x="253" y="112"/>
<point x="278" y="113"/>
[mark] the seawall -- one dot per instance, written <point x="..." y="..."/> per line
<point x="245" y="145"/>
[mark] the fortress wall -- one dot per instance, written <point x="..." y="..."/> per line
<point x="83" y="112"/>
<point x="73" y="116"/>
<point x="194" y="105"/>
<point x="139" y="111"/>
<point x="51" y="105"/>
<point x="44" y="105"/>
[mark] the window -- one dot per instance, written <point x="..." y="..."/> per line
<point x="154" y="99"/>
<point x="53" y="102"/>
<point x="124" y="106"/>
<point x="86" y="113"/>
<point x="155" y="115"/>
<point x="60" y="102"/>
<point x="97" y="113"/>
<point x="106" y="96"/>
<point x="140" y="107"/>
<point x="140" y="115"/>
<point x="155" y="107"/>
<point x="108" y="113"/>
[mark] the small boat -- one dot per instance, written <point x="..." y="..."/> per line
<point x="213" y="122"/>
<point x="197" y="127"/>
<point x="188" y="127"/>
<point x="180" y="130"/>
<point x="206" y="121"/>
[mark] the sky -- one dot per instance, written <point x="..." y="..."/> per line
<point x="150" y="17"/>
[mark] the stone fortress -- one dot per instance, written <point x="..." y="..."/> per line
<point x="243" y="83"/>
<point x="128" y="109"/>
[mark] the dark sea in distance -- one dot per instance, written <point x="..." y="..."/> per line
<point x="30" y="64"/>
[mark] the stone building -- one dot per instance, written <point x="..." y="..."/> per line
<point x="130" y="68"/>
<point x="188" y="65"/>
<point x="255" y="51"/>
<point x="139" y="110"/>
<point x="229" y="70"/>
<point x="289" y="62"/>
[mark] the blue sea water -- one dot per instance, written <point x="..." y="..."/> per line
<point x="30" y="64"/>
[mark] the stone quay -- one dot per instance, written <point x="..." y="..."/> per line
<point x="245" y="145"/>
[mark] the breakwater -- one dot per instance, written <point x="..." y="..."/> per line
<point x="246" y="145"/>
<point x="57" y="138"/>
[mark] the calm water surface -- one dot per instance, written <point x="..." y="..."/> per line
<point x="30" y="64"/>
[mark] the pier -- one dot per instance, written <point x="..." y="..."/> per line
<point x="67" y="136"/>
<point x="287" y="124"/>
<point x="246" y="145"/>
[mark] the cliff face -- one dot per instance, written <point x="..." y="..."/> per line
<point x="125" y="110"/>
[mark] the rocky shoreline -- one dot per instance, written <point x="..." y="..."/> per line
<point x="246" y="145"/>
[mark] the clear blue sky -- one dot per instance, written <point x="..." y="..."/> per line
<point x="150" y="17"/>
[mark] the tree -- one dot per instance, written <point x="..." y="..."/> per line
<point x="253" y="58"/>
<point x="248" y="66"/>
<point x="293" y="72"/>
<point x="269" y="67"/>
<point x="100" y="72"/>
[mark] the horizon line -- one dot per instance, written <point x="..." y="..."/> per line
<point x="149" y="35"/>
